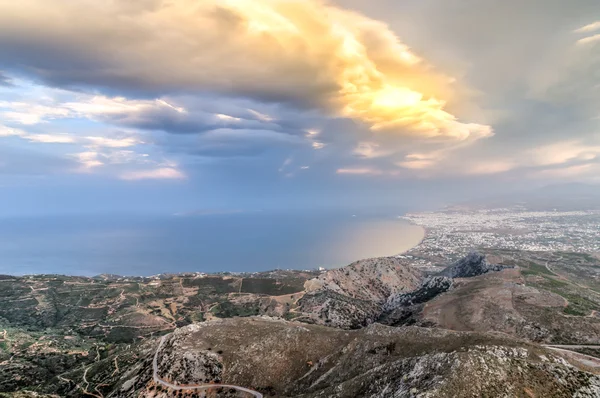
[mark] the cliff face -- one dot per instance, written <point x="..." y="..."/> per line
<point x="288" y="359"/>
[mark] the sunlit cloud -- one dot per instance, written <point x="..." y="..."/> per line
<point x="433" y="164"/>
<point x="589" y="40"/>
<point x="418" y="161"/>
<point x="369" y="150"/>
<point x="261" y="116"/>
<point x="88" y="160"/>
<point x="490" y="167"/>
<point x="360" y="171"/>
<point x="93" y="107"/>
<point x="582" y="170"/>
<point x="107" y="106"/>
<point x="562" y="152"/>
<point x="50" y="138"/>
<point x="307" y="52"/>
<point x="113" y="142"/>
<point x="228" y="118"/>
<point x="28" y="113"/>
<point x="165" y="173"/>
<point x="224" y="79"/>
<point x="90" y="142"/>
<point x="594" y="26"/>
<point x="11" y="132"/>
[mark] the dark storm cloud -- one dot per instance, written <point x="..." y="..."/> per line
<point x="192" y="120"/>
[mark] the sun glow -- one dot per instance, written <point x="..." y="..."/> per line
<point x="396" y="98"/>
<point x="309" y="52"/>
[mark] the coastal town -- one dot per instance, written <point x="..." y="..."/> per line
<point x="453" y="232"/>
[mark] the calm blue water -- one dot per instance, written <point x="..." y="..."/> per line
<point x="78" y="245"/>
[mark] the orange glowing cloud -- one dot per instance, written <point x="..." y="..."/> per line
<point x="303" y="51"/>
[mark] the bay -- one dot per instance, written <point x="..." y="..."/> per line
<point x="237" y="242"/>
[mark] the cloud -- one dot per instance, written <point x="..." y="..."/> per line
<point x="594" y="26"/>
<point x="589" y="40"/>
<point x="165" y="173"/>
<point x="232" y="142"/>
<point x="362" y="171"/>
<point x="162" y="114"/>
<point x="112" y="142"/>
<point x="64" y="138"/>
<point x="88" y="160"/>
<point x="564" y="152"/>
<point x="580" y="171"/>
<point x="287" y="162"/>
<point x="418" y="161"/>
<point x="50" y="138"/>
<point x="6" y="131"/>
<point x="29" y="113"/>
<point x="5" y="80"/>
<point x="490" y="167"/>
<point x="308" y="53"/>
<point x="368" y="150"/>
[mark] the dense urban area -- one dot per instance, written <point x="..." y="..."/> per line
<point x="454" y="232"/>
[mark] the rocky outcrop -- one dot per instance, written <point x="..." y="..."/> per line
<point x="329" y="308"/>
<point x="192" y="366"/>
<point x="473" y="264"/>
<point x="406" y="309"/>
<point x="431" y="287"/>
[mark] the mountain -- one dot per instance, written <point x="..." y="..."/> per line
<point x="495" y="323"/>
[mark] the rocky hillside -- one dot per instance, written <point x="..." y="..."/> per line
<point x="354" y="296"/>
<point x="473" y="264"/>
<point x="374" y="279"/>
<point x="289" y="359"/>
<point x="73" y="337"/>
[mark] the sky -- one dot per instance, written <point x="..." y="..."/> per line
<point x="176" y="106"/>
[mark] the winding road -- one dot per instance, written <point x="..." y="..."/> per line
<point x="160" y="381"/>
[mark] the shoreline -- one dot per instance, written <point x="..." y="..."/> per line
<point x="425" y="232"/>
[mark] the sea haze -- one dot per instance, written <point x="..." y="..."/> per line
<point x="91" y="245"/>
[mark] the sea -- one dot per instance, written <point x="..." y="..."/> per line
<point x="229" y="242"/>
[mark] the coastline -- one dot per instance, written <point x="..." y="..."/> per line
<point x="424" y="233"/>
